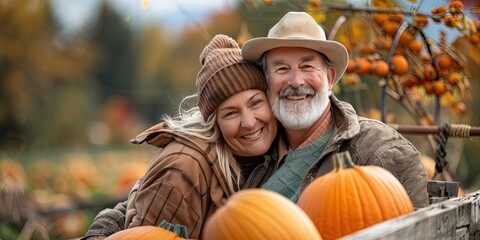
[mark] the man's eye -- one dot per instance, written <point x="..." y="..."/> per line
<point x="281" y="69"/>
<point x="308" y="67"/>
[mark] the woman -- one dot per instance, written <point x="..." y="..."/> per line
<point x="209" y="151"/>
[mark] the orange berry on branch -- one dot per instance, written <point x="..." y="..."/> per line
<point x="474" y="38"/>
<point x="397" y="17"/>
<point x="430" y="73"/>
<point x="425" y="57"/>
<point x="456" y="65"/>
<point x="380" y="18"/>
<point x="352" y="79"/>
<point x="427" y="119"/>
<point x="350" y="66"/>
<point x="443" y="61"/>
<point x="415" y="46"/>
<point x="428" y="86"/>
<point x="443" y="73"/>
<point x="440" y="10"/>
<point x="400" y="51"/>
<point x="439" y="88"/>
<point x="368" y="49"/>
<point x="363" y="66"/>
<point x="449" y="21"/>
<point x="384" y="43"/>
<point x="409" y="80"/>
<point x="418" y="73"/>
<point x="315" y="3"/>
<point x="380" y="68"/>
<point x="390" y="27"/>
<point x="454" y="77"/>
<point x="405" y="38"/>
<point x="455" y="6"/>
<point x="458" y="108"/>
<point x="421" y="20"/>
<point x="267" y="2"/>
<point x="399" y="64"/>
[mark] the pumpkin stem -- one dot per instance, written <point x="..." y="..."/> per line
<point x="342" y="160"/>
<point x="180" y="230"/>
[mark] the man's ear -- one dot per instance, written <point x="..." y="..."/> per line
<point x="332" y="73"/>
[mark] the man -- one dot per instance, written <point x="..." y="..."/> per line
<point x="301" y="68"/>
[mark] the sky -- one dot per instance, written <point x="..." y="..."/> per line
<point x="171" y="14"/>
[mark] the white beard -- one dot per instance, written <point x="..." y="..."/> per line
<point x="299" y="115"/>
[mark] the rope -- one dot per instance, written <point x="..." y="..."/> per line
<point x="460" y="130"/>
<point x="441" y="138"/>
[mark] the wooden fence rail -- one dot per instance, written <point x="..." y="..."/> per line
<point x="456" y="218"/>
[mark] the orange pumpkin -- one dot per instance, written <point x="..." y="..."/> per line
<point x="259" y="214"/>
<point x="351" y="198"/>
<point x="144" y="232"/>
<point x="429" y="165"/>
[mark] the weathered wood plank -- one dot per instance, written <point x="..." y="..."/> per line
<point x="462" y="233"/>
<point x="456" y="218"/>
<point x="437" y="221"/>
<point x="466" y="213"/>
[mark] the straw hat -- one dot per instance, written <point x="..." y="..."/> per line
<point x="298" y="29"/>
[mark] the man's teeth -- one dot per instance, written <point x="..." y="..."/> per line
<point x="296" y="97"/>
<point x="253" y="135"/>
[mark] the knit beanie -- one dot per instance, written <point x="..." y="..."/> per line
<point x="224" y="73"/>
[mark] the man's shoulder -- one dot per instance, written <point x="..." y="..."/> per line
<point x="375" y="134"/>
<point x="373" y="126"/>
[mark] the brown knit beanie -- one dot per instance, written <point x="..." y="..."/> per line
<point x="224" y="73"/>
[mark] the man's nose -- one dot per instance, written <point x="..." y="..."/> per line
<point x="296" y="79"/>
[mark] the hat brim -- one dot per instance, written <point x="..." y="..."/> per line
<point x="253" y="49"/>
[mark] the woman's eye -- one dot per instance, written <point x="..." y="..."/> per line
<point x="256" y="102"/>
<point x="229" y="114"/>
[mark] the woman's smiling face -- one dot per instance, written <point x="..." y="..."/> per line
<point x="247" y="123"/>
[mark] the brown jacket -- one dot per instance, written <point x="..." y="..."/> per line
<point x="183" y="184"/>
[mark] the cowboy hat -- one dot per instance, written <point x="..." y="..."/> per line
<point x="298" y="29"/>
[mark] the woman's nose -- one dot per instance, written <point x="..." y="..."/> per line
<point x="248" y="119"/>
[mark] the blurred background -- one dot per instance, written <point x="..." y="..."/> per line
<point x="78" y="79"/>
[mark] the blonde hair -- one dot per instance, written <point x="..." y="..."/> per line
<point x="190" y="122"/>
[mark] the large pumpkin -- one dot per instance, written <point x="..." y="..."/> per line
<point x="259" y="214"/>
<point x="146" y="233"/>
<point x="353" y="197"/>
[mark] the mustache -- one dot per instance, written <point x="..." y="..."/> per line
<point x="297" y="91"/>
